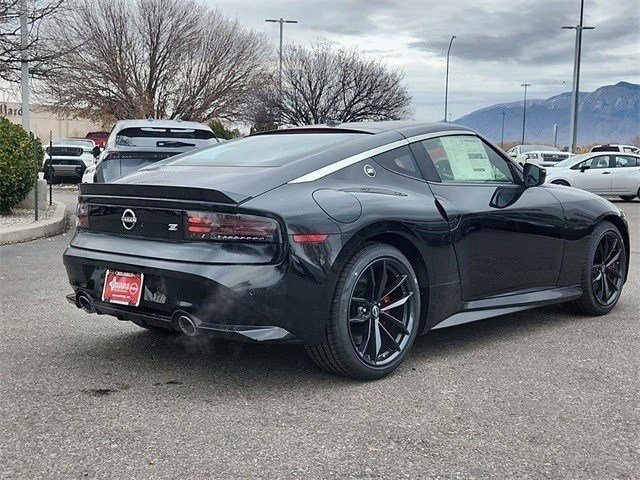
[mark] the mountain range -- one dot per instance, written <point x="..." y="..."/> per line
<point x="610" y="114"/>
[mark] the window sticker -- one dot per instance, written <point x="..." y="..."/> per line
<point x="468" y="159"/>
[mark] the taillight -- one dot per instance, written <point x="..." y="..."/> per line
<point x="230" y="228"/>
<point x="82" y="214"/>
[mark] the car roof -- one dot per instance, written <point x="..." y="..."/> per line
<point x="71" y="141"/>
<point x="151" y="122"/>
<point x="587" y="155"/>
<point x="406" y="128"/>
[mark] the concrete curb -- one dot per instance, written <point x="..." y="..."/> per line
<point x="54" y="226"/>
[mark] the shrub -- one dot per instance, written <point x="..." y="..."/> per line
<point x="220" y="131"/>
<point x="18" y="153"/>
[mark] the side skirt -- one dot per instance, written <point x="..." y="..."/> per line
<point x="505" y="304"/>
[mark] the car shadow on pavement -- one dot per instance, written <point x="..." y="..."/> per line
<point x="205" y="363"/>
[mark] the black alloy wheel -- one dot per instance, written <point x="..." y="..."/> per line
<point x="607" y="270"/>
<point x="374" y="317"/>
<point x="381" y="312"/>
<point x="603" y="273"/>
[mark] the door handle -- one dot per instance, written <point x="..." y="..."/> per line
<point x="606" y="173"/>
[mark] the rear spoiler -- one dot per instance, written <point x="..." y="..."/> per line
<point x="156" y="192"/>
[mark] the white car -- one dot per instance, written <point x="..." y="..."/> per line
<point x="541" y="155"/>
<point x="151" y="134"/>
<point x="604" y="173"/>
<point x="68" y="158"/>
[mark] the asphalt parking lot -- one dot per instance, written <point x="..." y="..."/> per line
<point x="539" y="394"/>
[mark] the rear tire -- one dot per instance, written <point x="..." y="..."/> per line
<point x="603" y="272"/>
<point x="367" y="337"/>
<point x="627" y="198"/>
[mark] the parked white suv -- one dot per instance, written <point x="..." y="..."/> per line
<point x="149" y="136"/>
<point x="67" y="159"/>
<point x="541" y="155"/>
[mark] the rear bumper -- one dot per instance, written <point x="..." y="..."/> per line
<point x="245" y="333"/>
<point x="283" y="303"/>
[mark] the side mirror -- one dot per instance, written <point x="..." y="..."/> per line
<point x="533" y="175"/>
<point x="96" y="151"/>
<point x="584" y="167"/>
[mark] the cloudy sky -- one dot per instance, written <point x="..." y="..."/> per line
<point x="499" y="44"/>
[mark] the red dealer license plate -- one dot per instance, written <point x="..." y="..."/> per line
<point x="122" y="287"/>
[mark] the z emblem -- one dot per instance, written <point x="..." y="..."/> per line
<point x="173" y="227"/>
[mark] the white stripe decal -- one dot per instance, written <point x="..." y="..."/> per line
<point x="352" y="160"/>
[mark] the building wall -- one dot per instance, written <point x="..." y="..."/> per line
<point x="44" y="121"/>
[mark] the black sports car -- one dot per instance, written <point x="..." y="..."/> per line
<point x="351" y="239"/>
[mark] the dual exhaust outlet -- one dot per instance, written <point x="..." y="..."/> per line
<point x="182" y="321"/>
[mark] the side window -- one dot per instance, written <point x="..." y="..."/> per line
<point x="399" y="160"/>
<point x="467" y="159"/>
<point x="624" y="161"/>
<point x="601" y="161"/>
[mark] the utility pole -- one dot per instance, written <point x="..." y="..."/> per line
<point x="576" y="77"/>
<point x="281" y="21"/>
<point x="24" y="64"/>
<point x="502" y="137"/>
<point x="446" y="83"/>
<point x="524" y="109"/>
<point x="24" y="84"/>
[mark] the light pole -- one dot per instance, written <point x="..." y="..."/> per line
<point x="446" y="84"/>
<point x="281" y="21"/>
<point x="524" y="109"/>
<point x="576" y="77"/>
<point x="502" y="137"/>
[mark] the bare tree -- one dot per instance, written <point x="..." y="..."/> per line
<point x="39" y="53"/>
<point x="321" y="84"/>
<point x="153" y="58"/>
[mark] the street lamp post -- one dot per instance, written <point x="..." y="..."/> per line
<point x="576" y="77"/>
<point x="446" y="84"/>
<point x="524" y="109"/>
<point x="502" y="137"/>
<point x="281" y="21"/>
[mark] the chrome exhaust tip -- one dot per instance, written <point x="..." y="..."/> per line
<point x="186" y="325"/>
<point x="85" y="302"/>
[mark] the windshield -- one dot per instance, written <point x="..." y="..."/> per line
<point x="118" y="164"/>
<point x="271" y="150"/>
<point x="536" y="148"/>
<point x="571" y="160"/>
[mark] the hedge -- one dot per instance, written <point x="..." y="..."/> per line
<point x="20" y="155"/>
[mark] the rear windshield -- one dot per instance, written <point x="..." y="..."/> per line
<point x="271" y="150"/>
<point x="119" y="164"/>
<point x="160" y="132"/>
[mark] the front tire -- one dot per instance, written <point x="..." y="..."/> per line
<point x="374" y="317"/>
<point x="603" y="272"/>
